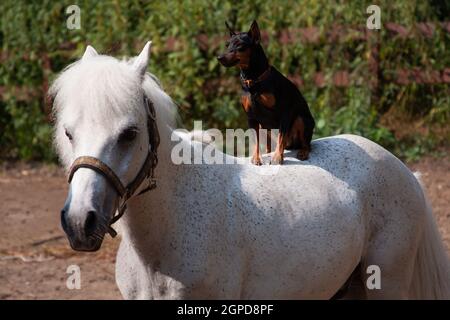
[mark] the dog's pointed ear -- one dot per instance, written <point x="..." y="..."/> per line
<point x="254" y="32"/>
<point x="232" y="33"/>
<point x="140" y="64"/>
<point x="89" y="53"/>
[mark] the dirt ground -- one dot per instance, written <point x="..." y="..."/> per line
<point x="35" y="255"/>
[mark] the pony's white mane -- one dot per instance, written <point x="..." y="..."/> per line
<point x="110" y="89"/>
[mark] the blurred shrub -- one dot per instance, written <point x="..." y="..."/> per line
<point x="35" y="45"/>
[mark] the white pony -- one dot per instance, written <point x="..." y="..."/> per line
<point x="239" y="231"/>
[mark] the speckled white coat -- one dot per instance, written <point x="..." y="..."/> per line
<point x="241" y="231"/>
<point x="237" y="232"/>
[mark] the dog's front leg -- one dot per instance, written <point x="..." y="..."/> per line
<point x="278" y="155"/>
<point x="269" y="141"/>
<point x="256" y="158"/>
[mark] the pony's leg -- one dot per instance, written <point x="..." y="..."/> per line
<point x="356" y="290"/>
<point x="396" y="266"/>
<point x="396" y="228"/>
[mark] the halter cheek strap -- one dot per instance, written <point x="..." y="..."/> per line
<point x="146" y="171"/>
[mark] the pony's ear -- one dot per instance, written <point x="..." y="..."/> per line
<point x="141" y="62"/>
<point x="254" y="32"/>
<point x="50" y="98"/>
<point x="89" y="53"/>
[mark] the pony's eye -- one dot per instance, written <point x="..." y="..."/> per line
<point x="68" y="135"/>
<point x="128" y="134"/>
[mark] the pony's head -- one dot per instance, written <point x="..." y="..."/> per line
<point x="100" y="110"/>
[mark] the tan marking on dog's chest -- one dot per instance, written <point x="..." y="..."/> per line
<point x="246" y="102"/>
<point x="267" y="100"/>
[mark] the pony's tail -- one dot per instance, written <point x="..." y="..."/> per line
<point x="431" y="277"/>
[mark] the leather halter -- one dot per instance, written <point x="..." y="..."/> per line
<point x="146" y="171"/>
<point x="248" y="83"/>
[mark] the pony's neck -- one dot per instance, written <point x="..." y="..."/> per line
<point x="148" y="217"/>
<point x="165" y="148"/>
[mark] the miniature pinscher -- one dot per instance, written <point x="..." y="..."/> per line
<point x="270" y="100"/>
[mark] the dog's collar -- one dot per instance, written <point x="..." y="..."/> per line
<point x="248" y="83"/>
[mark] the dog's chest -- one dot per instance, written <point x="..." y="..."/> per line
<point x="261" y="106"/>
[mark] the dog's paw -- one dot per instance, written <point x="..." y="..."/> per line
<point x="303" y="154"/>
<point x="256" y="160"/>
<point x="277" y="159"/>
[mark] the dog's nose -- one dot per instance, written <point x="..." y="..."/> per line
<point x="220" y="57"/>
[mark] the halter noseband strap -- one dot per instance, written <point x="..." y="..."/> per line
<point x="99" y="166"/>
<point x="146" y="171"/>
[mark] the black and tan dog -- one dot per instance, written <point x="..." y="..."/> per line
<point x="270" y="100"/>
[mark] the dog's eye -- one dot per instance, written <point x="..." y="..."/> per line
<point x="68" y="135"/>
<point x="129" y="134"/>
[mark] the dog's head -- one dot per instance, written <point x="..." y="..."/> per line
<point x="240" y="46"/>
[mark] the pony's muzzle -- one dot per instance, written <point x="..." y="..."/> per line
<point x="87" y="211"/>
<point x="82" y="230"/>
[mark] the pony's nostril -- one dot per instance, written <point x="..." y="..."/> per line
<point x="90" y="223"/>
<point x="63" y="220"/>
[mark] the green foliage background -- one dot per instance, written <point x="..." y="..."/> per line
<point x="31" y="30"/>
